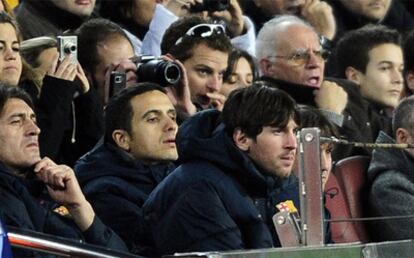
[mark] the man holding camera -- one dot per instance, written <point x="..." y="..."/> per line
<point x="105" y="49"/>
<point x="203" y="48"/>
<point x="133" y="158"/>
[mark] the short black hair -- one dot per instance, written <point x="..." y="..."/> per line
<point x="252" y="108"/>
<point x="184" y="50"/>
<point x="8" y="92"/>
<point x="353" y="48"/>
<point x="404" y="116"/>
<point x="313" y="117"/>
<point x="119" y="111"/>
<point x="90" y="34"/>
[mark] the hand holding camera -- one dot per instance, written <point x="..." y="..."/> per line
<point x="232" y="16"/>
<point x="180" y="94"/>
<point x="65" y="65"/>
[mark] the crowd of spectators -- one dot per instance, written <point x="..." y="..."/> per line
<point x="196" y="157"/>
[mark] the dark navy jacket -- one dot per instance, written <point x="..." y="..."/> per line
<point x="117" y="186"/>
<point x="217" y="199"/>
<point x="19" y="207"/>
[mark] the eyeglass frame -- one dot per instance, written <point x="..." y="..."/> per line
<point x="323" y="54"/>
<point x="213" y="29"/>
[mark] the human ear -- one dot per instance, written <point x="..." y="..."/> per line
<point x="402" y="136"/>
<point x="353" y="75"/>
<point x="122" y="139"/>
<point x="241" y="140"/>
<point x="266" y="67"/>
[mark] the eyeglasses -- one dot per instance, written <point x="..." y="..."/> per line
<point x="203" y="30"/>
<point x="302" y="57"/>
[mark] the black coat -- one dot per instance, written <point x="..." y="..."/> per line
<point x="22" y="206"/>
<point x="110" y="178"/>
<point x="70" y="126"/>
<point x="217" y="199"/>
<point x="43" y="18"/>
<point x="397" y="18"/>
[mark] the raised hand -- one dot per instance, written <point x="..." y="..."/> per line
<point x="320" y="15"/>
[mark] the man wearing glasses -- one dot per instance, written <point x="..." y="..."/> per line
<point x="290" y="53"/>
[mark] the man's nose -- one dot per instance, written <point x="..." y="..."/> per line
<point x="214" y="83"/>
<point x="32" y="128"/>
<point x="291" y="141"/>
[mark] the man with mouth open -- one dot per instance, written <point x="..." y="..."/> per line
<point x="133" y="158"/>
<point x="203" y="48"/>
<point x="289" y="50"/>
<point x="25" y="176"/>
<point x="234" y="166"/>
<point x="52" y="17"/>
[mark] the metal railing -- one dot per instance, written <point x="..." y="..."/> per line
<point x="59" y="246"/>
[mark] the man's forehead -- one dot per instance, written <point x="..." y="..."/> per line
<point x="15" y="105"/>
<point x="151" y="101"/>
<point x="298" y="36"/>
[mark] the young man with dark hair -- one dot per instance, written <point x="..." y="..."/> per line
<point x="372" y="58"/>
<point x="391" y="180"/>
<point x="135" y="155"/>
<point x="234" y="165"/>
<point x="24" y="175"/>
<point x="203" y="48"/>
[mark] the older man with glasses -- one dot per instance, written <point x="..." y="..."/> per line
<point x="289" y="50"/>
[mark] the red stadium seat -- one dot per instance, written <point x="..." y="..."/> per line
<point x="346" y="196"/>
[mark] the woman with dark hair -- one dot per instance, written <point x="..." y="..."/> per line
<point x="241" y="71"/>
<point x="63" y="137"/>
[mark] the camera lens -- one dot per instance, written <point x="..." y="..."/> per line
<point x="70" y="48"/>
<point x="172" y="73"/>
<point x="163" y="72"/>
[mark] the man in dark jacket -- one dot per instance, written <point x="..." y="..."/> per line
<point x="289" y="50"/>
<point x="135" y="155"/>
<point x="234" y="167"/>
<point x="353" y="14"/>
<point x="372" y="58"/>
<point x="23" y="204"/>
<point x="51" y="17"/>
<point x="391" y="179"/>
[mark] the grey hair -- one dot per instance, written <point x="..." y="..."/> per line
<point x="266" y="42"/>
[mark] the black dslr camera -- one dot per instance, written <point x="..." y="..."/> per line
<point x="210" y="6"/>
<point x="157" y="70"/>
